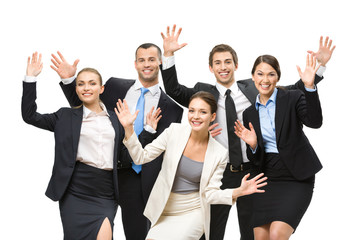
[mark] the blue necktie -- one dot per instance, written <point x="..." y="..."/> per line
<point x="139" y="121"/>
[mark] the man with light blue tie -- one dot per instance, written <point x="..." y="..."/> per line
<point x="143" y="94"/>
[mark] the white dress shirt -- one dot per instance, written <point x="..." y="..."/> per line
<point x="96" y="144"/>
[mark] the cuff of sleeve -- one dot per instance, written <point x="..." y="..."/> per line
<point x="311" y="89"/>
<point x="254" y="150"/>
<point x="67" y="81"/>
<point x="29" y="79"/>
<point x="321" y="71"/>
<point x="149" y="129"/>
<point x="168" y="62"/>
<point x="127" y="142"/>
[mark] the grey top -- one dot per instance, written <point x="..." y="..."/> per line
<point x="188" y="176"/>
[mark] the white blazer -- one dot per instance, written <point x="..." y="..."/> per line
<point x="172" y="142"/>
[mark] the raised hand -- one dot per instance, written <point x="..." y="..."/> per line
<point x="325" y="51"/>
<point x="34" y="65"/>
<point x="62" y="67"/>
<point x="124" y="115"/>
<point x="308" y="75"/>
<point x="252" y="186"/>
<point x="248" y="136"/>
<point x="214" y="132"/>
<point x="170" y="42"/>
<point x="152" y="119"/>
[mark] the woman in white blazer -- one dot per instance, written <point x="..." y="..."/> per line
<point x="179" y="204"/>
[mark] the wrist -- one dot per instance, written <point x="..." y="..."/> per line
<point x="168" y="53"/>
<point x="129" y="130"/>
<point x="236" y="193"/>
<point x="323" y="64"/>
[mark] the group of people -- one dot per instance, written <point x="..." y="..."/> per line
<point x="122" y="144"/>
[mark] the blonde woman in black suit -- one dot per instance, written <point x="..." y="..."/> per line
<point x="278" y="146"/>
<point x="87" y="146"/>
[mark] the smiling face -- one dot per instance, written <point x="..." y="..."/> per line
<point x="88" y="88"/>
<point x="265" y="78"/>
<point x="147" y="65"/>
<point x="200" y="115"/>
<point x="223" y="68"/>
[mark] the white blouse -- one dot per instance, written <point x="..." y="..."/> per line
<point x="96" y="144"/>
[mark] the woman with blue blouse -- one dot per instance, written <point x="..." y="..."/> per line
<point x="273" y="131"/>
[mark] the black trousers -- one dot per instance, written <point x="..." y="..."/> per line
<point x="132" y="204"/>
<point x="220" y="213"/>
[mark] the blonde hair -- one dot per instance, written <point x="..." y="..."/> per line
<point x="92" y="70"/>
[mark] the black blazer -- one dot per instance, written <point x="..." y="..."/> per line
<point x="117" y="88"/>
<point x="66" y="125"/>
<point x="182" y="94"/>
<point x="293" y="109"/>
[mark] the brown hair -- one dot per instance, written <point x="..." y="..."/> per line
<point x="148" y="45"/>
<point x="92" y="70"/>
<point x="206" y="97"/>
<point x="223" y="48"/>
<point x="269" y="59"/>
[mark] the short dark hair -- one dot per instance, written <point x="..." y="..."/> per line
<point x="206" y="97"/>
<point x="269" y="59"/>
<point x="92" y="70"/>
<point x="148" y="45"/>
<point x="223" y="48"/>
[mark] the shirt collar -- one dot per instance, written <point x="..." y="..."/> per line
<point x="153" y="89"/>
<point x="87" y="112"/>
<point x="222" y="89"/>
<point x="271" y="99"/>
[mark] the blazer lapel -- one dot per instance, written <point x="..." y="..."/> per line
<point x="255" y="118"/>
<point x="209" y="164"/>
<point x="181" y="144"/>
<point x="115" y="123"/>
<point x="162" y="103"/>
<point x="249" y="91"/>
<point x="281" y="106"/>
<point x="76" y="127"/>
<point x="215" y="93"/>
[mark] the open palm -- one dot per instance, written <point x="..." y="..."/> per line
<point x="170" y="42"/>
<point x="34" y="65"/>
<point x="248" y="136"/>
<point x="124" y="115"/>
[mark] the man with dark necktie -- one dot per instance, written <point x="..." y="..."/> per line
<point x="233" y="97"/>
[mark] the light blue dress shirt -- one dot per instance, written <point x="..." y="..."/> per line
<point x="267" y="123"/>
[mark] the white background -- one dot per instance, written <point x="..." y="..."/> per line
<point x="104" y="35"/>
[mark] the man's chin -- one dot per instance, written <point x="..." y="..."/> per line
<point x="148" y="79"/>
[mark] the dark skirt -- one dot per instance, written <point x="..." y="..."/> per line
<point x="285" y="198"/>
<point x="88" y="200"/>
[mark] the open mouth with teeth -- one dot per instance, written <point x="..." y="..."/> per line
<point x="196" y="123"/>
<point x="223" y="74"/>
<point x="265" y="86"/>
